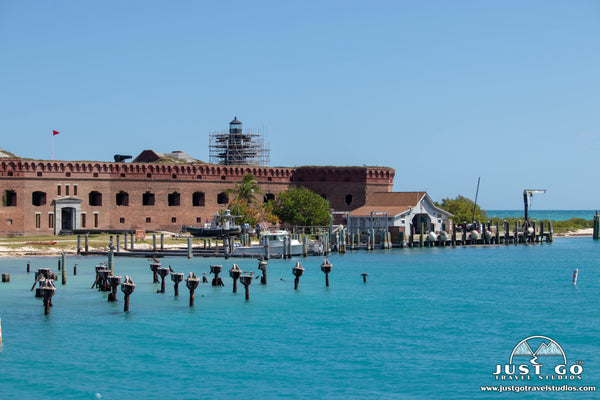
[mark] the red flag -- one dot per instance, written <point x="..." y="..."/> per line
<point x="54" y="133"/>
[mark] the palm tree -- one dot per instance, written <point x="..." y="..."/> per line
<point x="246" y="190"/>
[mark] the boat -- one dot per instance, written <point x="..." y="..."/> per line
<point x="274" y="241"/>
<point x="222" y="225"/>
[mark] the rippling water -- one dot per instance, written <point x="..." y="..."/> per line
<point x="429" y="323"/>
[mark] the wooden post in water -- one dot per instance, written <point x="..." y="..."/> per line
<point x="453" y="234"/>
<point x="64" y="269"/>
<point x="78" y="244"/>
<point x="86" y="242"/>
<point x="596" y="234"/>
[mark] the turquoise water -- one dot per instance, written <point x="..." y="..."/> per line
<point x="430" y="323"/>
<point x="556" y="215"/>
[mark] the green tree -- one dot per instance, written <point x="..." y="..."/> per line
<point x="462" y="208"/>
<point x="301" y="206"/>
<point x="246" y="190"/>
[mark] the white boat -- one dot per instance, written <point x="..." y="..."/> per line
<point x="272" y="243"/>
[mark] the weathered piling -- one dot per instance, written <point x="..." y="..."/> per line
<point x="86" y="238"/>
<point x="64" y="269"/>
<point x="189" y="248"/>
<point x="262" y="265"/>
<point x="154" y="266"/>
<point x="326" y="268"/>
<point x="28" y="267"/>
<point x="163" y="272"/>
<point x="101" y="282"/>
<point x="127" y="287"/>
<point x="216" y="270"/>
<point x="113" y="282"/>
<point x="246" y="280"/>
<point x="78" y="244"/>
<point x="596" y="233"/>
<point x="305" y="246"/>
<point x="47" y="289"/>
<point x="5" y="278"/>
<point x="176" y="277"/>
<point x="118" y="243"/>
<point x="235" y="273"/>
<point x="192" y="282"/>
<point x="111" y="259"/>
<point x="75" y="269"/>
<point x="297" y="271"/>
<point x="364" y="276"/>
<point x="41" y="273"/>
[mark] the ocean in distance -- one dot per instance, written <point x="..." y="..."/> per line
<point x="429" y="323"/>
<point x="555" y="215"/>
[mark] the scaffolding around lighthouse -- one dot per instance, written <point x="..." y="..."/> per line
<point x="238" y="148"/>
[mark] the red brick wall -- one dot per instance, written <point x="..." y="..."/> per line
<point x="25" y="177"/>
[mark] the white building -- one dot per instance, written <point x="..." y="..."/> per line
<point x="398" y="212"/>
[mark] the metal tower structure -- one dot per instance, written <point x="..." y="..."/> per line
<point x="238" y="148"/>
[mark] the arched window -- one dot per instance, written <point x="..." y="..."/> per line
<point x="222" y="198"/>
<point x="38" y="198"/>
<point x="122" y="198"/>
<point x="174" y="199"/>
<point x="269" y="197"/>
<point x="95" y="198"/>
<point x="10" y="198"/>
<point x="148" y="199"/>
<point x="198" y="199"/>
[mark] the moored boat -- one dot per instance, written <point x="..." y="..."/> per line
<point x="272" y="242"/>
<point x="222" y="225"/>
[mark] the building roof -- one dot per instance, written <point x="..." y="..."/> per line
<point x="152" y="156"/>
<point x="393" y="203"/>
<point x="235" y="121"/>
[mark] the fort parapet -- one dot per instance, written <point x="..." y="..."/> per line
<point x="46" y="197"/>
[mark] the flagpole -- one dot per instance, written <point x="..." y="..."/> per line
<point x="52" y="154"/>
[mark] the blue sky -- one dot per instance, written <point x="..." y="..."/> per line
<point x="442" y="91"/>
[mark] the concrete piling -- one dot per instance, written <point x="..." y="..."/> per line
<point x="216" y="270"/>
<point x="192" y="282"/>
<point x="235" y="273"/>
<point x="189" y="248"/>
<point x="46" y="290"/>
<point x="246" y="280"/>
<point x="326" y="268"/>
<point x="176" y="277"/>
<point x="163" y="272"/>
<point x="127" y="287"/>
<point x="262" y="265"/>
<point x="154" y="266"/>
<point x="113" y="282"/>
<point x="297" y="271"/>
